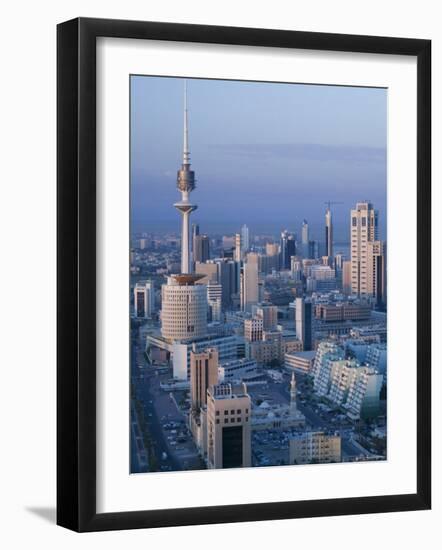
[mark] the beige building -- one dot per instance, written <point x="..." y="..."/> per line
<point x="300" y="361"/>
<point x="269" y="315"/>
<point x="363" y="229"/>
<point x="314" y="448"/>
<point x="253" y="329"/>
<point x="184" y="308"/>
<point x="203" y="373"/>
<point x="209" y="270"/>
<point x="249" y="283"/>
<point x="228" y="427"/>
<point x="346" y="277"/>
<point x="343" y="311"/>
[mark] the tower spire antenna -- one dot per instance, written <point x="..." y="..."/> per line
<point x="186" y="152"/>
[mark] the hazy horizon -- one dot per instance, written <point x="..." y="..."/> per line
<point x="264" y="154"/>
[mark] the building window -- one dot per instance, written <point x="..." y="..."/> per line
<point x="232" y="412"/>
<point x="226" y="412"/>
<point x="238" y="411"/>
<point x="217" y="413"/>
<point x="354" y="222"/>
<point x="217" y="420"/>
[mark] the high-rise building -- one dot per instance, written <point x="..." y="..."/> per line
<point x="315" y="448"/>
<point x="273" y="257"/>
<point x="363" y="230"/>
<point x="201" y="248"/>
<point x="288" y="249"/>
<point x="245" y="237"/>
<point x="144" y="299"/>
<point x="303" y="322"/>
<point x="313" y="250"/>
<point x="203" y="374"/>
<point x="184" y="308"/>
<point x="376" y="272"/>
<point x="249" y="287"/>
<point x="346" y="277"/>
<point x="328" y="233"/>
<point x="238" y="253"/>
<point x="305" y="239"/>
<point x="229" y="411"/>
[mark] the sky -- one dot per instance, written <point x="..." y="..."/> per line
<point x="265" y="154"/>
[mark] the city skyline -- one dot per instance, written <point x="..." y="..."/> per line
<point x="249" y="350"/>
<point x="306" y="140"/>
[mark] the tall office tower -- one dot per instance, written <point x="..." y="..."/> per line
<point x="253" y="329"/>
<point x="201" y="248"/>
<point x="376" y="272"/>
<point x="339" y="260"/>
<point x="195" y="232"/>
<point x="238" y="253"/>
<point x="283" y="248"/>
<point x="249" y="283"/>
<point x="144" y="299"/>
<point x="273" y="256"/>
<point x="328" y="233"/>
<point x="269" y="315"/>
<point x="185" y="184"/>
<point x="203" y="374"/>
<point x="303" y="323"/>
<point x="363" y="229"/>
<point x="288" y="249"/>
<point x="229" y="410"/>
<point x="293" y="407"/>
<point x="313" y="250"/>
<point x="184" y="308"/>
<point x="346" y="277"/>
<point x="228" y="277"/>
<point x="296" y="268"/>
<point x="305" y="238"/>
<point x="245" y="237"/>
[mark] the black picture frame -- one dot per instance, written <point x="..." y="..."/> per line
<point x="76" y="274"/>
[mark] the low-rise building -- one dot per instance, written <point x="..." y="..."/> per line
<point x="315" y="448"/>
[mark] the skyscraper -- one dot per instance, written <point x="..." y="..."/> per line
<point x="288" y="248"/>
<point x="363" y="230"/>
<point x="201" y="248"/>
<point x="238" y="252"/>
<point x="303" y="324"/>
<point x="245" y="237"/>
<point x="328" y="233"/>
<point x="249" y="283"/>
<point x="305" y="239"/>
<point x="203" y="374"/>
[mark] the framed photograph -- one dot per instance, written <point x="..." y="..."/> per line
<point x="243" y="274"/>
